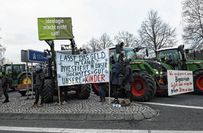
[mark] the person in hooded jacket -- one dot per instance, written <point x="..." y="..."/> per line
<point x="4" y="86"/>
<point x="114" y="80"/>
<point x="39" y="79"/>
<point x="128" y="79"/>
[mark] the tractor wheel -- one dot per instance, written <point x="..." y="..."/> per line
<point x="198" y="82"/>
<point x="95" y="88"/>
<point x="48" y="91"/>
<point x="143" y="88"/>
<point x="84" y="91"/>
<point x="25" y="80"/>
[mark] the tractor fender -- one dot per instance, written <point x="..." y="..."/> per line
<point x="23" y="73"/>
<point x="197" y="70"/>
<point x="136" y="71"/>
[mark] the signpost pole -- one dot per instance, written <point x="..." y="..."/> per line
<point x="109" y="93"/>
<point x="27" y="80"/>
<point x="32" y="80"/>
<point x="59" y="95"/>
<point x="109" y="84"/>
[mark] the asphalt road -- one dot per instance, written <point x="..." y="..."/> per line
<point x="184" y="116"/>
<point x="168" y="118"/>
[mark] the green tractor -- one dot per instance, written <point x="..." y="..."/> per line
<point x="150" y="75"/>
<point x="175" y="59"/>
<point x="58" y="28"/>
<point x="143" y="87"/>
<point x="18" y="80"/>
<point x="50" y="89"/>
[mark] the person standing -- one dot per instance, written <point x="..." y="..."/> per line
<point x="39" y="75"/>
<point x="102" y="92"/>
<point x="128" y="79"/>
<point x="4" y="86"/>
<point x="114" y="80"/>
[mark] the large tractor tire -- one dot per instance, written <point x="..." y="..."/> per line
<point x="24" y="79"/>
<point x="84" y="91"/>
<point x="24" y="82"/>
<point x="48" y="91"/>
<point x="95" y="88"/>
<point x="198" y="82"/>
<point x="143" y="87"/>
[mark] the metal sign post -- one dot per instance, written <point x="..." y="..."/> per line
<point x="109" y="84"/>
<point x="59" y="95"/>
<point x="32" y="80"/>
<point x="27" y="88"/>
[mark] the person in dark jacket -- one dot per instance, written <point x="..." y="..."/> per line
<point x="39" y="79"/>
<point x="128" y="79"/>
<point x="114" y="80"/>
<point x="4" y="86"/>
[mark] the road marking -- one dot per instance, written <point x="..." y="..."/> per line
<point x="174" y="105"/>
<point x="67" y="130"/>
<point x="174" y="131"/>
<point x="71" y="130"/>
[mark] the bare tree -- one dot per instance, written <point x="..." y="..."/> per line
<point x="156" y="34"/>
<point x="126" y="37"/>
<point x="105" y="41"/>
<point x="87" y="48"/>
<point x="93" y="44"/>
<point x="193" y="18"/>
<point x="2" y="52"/>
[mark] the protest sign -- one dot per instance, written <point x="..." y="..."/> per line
<point x="83" y="68"/>
<point x="179" y="82"/>
<point x="55" y="28"/>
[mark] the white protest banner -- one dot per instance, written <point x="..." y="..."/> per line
<point x="82" y="68"/>
<point x="179" y="82"/>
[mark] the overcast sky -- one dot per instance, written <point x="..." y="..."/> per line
<point x="90" y="18"/>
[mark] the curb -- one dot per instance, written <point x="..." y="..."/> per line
<point x="74" y="116"/>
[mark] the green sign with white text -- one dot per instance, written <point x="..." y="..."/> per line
<point x="55" y="28"/>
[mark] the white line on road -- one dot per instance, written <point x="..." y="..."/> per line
<point x="70" y="130"/>
<point x="174" y="105"/>
<point x="67" y="130"/>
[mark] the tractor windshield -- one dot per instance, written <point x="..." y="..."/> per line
<point x="129" y="53"/>
<point x="169" y="55"/>
<point x="8" y="70"/>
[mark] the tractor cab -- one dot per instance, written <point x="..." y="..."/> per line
<point x="174" y="57"/>
<point x="14" y="72"/>
<point x="128" y="53"/>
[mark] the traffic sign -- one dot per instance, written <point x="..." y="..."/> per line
<point x="24" y="56"/>
<point x="36" y="56"/>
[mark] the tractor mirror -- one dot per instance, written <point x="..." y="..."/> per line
<point x="194" y="54"/>
<point x="147" y="52"/>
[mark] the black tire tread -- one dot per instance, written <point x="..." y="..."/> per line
<point x="84" y="91"/>
<point x="195" y="76"/>
<point x="48" y="91"/>
<point x="94" y="89"/>
<point x="150" y="87"/>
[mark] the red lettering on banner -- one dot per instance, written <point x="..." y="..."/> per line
<point x="170" y="73"/>
<point x="95" y="78"/>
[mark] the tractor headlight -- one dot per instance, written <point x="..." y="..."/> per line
<point x="157" y="72"/>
